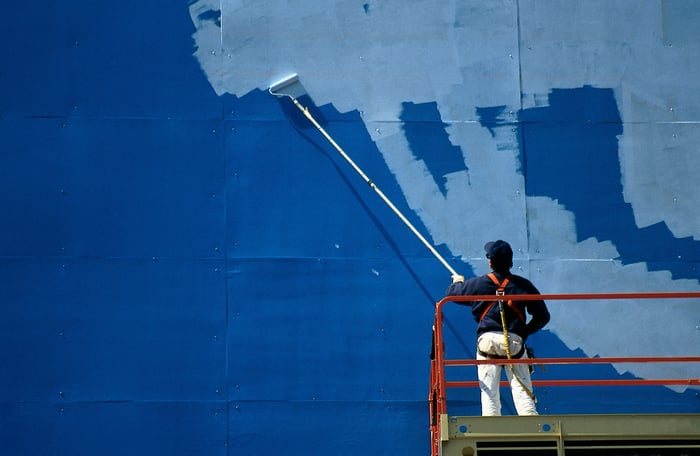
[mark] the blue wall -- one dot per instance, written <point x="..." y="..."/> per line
<point x="187" y="267"/>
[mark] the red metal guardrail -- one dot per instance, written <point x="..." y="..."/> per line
<point x="438" y="384"/>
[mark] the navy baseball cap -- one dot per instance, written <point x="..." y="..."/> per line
<point x="499" y="251"/>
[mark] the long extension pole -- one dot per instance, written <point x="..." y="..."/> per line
<point x="369" y="182"/>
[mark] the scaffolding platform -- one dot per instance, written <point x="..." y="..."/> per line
<point x="571" y="435"/>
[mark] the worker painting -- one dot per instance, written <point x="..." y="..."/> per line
<point x="502" y="328"/>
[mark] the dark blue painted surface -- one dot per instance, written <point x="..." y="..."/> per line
<point x="96" y="329"/>
<point x="138" y="428"/>
<point x="81" y="58"/>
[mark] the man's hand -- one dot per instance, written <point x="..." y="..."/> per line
<point x="457" y="278"/>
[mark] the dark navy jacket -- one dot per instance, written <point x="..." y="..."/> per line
<point x="491" y="321"/>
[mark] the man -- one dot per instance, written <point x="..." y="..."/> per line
<point x="491" y="337"/>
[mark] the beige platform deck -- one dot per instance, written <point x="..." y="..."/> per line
<point x="572" y="435"/>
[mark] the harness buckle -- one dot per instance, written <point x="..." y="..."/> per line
<point x="500" y="292"/>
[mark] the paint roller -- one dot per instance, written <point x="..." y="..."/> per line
<point x="291" y="87"/>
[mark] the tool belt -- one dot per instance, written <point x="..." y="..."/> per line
<point x="490" y="356"/>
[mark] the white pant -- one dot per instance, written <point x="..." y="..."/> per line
<point x="493" y="343"/>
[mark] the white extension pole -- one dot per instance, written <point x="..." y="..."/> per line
<point x="308" y="115"/>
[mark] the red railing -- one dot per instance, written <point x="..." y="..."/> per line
<point x="438" y="384"/>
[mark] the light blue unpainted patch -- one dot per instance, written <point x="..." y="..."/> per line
<point x="677" y="18"/>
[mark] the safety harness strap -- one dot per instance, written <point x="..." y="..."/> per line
<point x="501" y="285"/>
<point x="501" y="291"/>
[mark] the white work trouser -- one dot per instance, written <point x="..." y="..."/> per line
<point x="493" y="343"/>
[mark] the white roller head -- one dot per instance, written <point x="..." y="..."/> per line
<point x="289" y="86"/>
